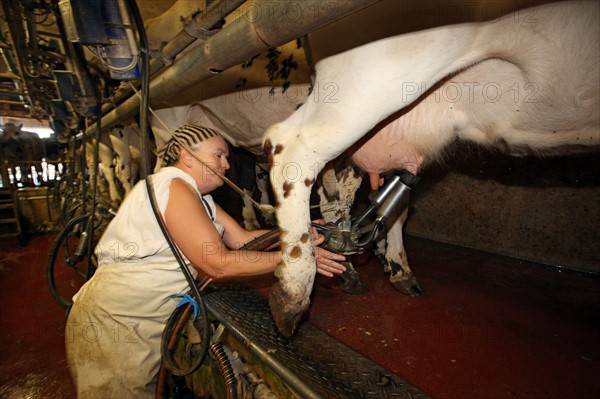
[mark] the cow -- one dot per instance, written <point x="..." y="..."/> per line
<point x="547" y="68"/>
<point x="268" y="88"/>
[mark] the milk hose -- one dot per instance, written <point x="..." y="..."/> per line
<point x="201" y="324"/>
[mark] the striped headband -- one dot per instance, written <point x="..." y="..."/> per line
<point x="187" y="135"/>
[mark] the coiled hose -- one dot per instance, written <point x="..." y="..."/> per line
<point x="226" y="370"/>
<point x="175" y="327"/>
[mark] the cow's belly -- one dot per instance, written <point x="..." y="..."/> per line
<point x="493" y="104"/>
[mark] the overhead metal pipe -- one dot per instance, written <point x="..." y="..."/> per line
<point x="9" y="92"/>
<point x="9" y="76"/>
<point x="198" y="26"/>
<point x="267" y="24"/>
<point x="13" y="102"/>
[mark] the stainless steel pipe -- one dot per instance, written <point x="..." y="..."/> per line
<point x="205" y="20"/>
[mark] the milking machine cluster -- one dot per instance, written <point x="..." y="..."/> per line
<point x="349" y="235"/>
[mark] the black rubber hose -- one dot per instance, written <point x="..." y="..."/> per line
<point x="225" y="365"/>
<point x="89" y="230"/>
<point x="145" y="72"/>
<point x="170" y="340"/>
<point x="264" y="242"/>
<point x="203" y="313"/>
<point x="173" y="329"/>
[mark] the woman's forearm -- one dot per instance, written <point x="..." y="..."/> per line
<point x="236" y="263"/>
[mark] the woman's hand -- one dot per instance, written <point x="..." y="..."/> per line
<point x="327" y="262"/>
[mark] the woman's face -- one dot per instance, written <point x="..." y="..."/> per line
<point x="213" y="152"/>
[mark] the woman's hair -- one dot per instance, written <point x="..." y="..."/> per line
<point x="191" y="136"/>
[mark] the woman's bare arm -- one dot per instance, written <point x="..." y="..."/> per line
<point x="235" y="236"/>
<point x="196" y="236"/>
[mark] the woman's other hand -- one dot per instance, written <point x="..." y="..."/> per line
<point x="328" y="263"/>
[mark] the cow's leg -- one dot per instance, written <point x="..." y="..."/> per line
<point x="262" y="184"/>
<point x="293" y="173"/>
<point x="119" y="140"/>
<point x="124" y="175"/>
<point x="336" y="192"/>
<point x="243" y="174"/>
<point x="395" y="261"/>
<point x="95" y="168"/>
<point x="350" y="281"/>
<point x="248" y="214"/>
<point x="105" y="156"/>
<point x="136" y="160"/>
<point x="113" y="190"/>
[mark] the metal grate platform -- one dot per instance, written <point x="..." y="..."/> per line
<point x="312" y="363"/>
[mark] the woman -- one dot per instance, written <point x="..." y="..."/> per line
<point x="115" y="325"/>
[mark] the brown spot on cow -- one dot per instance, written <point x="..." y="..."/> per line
<point x="304" y="238"/>
<point x="268" y="147"/>
<point x="342" y="175"/>
<point x="295" y="252"/>
<point x="309" y="182"/>
<point x="278" y="149"/>
<point x="287" y="188"/>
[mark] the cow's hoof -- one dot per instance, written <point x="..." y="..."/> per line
<point x="350" y="281"/>
<point x="408" y="287"/>
<point x="353" y="285"/>
<point x="286" y="318"/>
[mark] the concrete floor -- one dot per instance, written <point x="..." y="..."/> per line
<point x="488" y="326"/>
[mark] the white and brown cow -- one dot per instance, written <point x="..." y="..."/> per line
<point x="535" y="86"/>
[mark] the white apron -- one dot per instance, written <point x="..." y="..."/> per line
<point x="115" y="326"/>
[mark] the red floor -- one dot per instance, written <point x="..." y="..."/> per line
<point x="488" y="327"/>
<point x="32" y="357"/>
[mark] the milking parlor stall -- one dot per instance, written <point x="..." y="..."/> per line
<point x="448" y="149"/>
